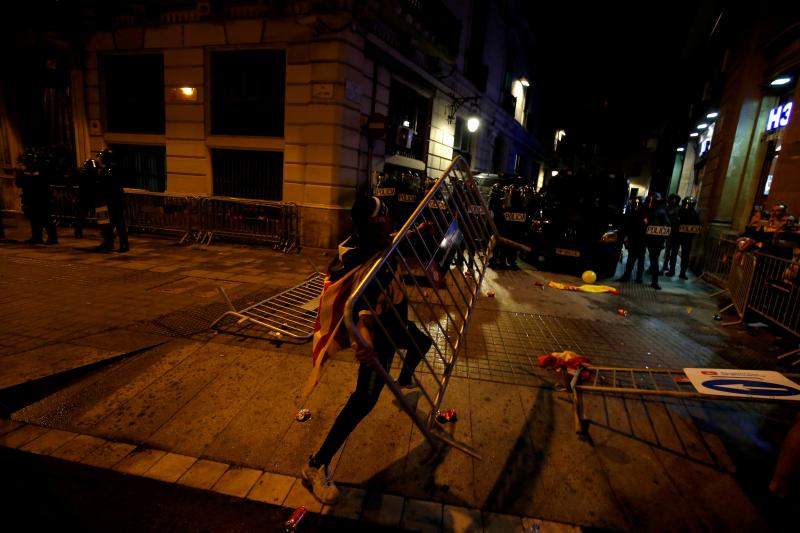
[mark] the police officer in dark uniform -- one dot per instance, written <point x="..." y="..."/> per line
<point x="657" y="229"/>
<point x="688" y="226"/>
<point x="36" y="198"/>
<point x="673" y="206"/>
<point x="111" y="188"/>
<point x="86" y="181"/>
<point x="496" y="207"/>
<point x="633" y="230"/>
<point x="515" y="221"/>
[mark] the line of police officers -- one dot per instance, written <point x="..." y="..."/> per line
<point x="651" y="226"/>
<point x="100" y="188"/>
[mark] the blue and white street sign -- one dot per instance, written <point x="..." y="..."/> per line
<point x="743" y="383"/>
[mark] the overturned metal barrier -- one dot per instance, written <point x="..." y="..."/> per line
<point x="436" y="264"/>
<point x="292" y="312"/>
<point x="665" y="382"/>
<point x="260" y="220"/>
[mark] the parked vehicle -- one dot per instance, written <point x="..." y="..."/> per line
<point x="577" y="224"/>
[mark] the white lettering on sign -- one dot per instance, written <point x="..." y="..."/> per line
<point x="437" y="204"/>
<point x="384" y="191"/>
<point x="689" y="228"/>
<point x="514" y="217"/>
<point x="779" y="116"/>
<point x="659" y="231"/>
<point x="475" y="210"/>
<point x="407" y="197"/>
<point x="764" y="384"/>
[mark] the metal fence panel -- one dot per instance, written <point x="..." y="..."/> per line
<point x="262" y="220"/>
<point x="436" y="263"/>
<point x="152" y="211"/>
<point x="740" y="279"/>
<point x="717" y="261"/>
<point x="775" y="293"/>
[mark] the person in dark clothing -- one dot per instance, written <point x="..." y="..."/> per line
<point x="111" y="188"/>
<point x="36" y="202"/>
<point x="86" y="181"/>
<point x="633" y="234"/>
<point x="673" y="206"/>
<point x="688" y="225"/>
<point x="382" y="322"/>
<point x="657" y="229"/>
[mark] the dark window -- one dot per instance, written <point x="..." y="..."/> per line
<point x="142" y="167"/>
<point x="134" y="93"/>
<point x="408" y="122"/>
<point x="636" y="169"/>
<point x="248" y="174"/>
<point x="248" y="92"/>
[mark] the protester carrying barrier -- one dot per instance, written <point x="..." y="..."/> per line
<point x="451" y="219"/>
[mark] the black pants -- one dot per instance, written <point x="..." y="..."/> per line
<point x="116" y="220"/>
<point x="654" y="251"/>
<point x="635" y="258"/>
<point x="671" y="252"/>
<point x="369" y="384"/>
<point x="41" y="219"/>
<point x="685" y="246"/>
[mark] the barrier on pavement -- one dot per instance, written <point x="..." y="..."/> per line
<point x="262" y="220"/>
<point x="291" y="312"/>
<point x="775" y="294"/>
<point x="740" y="278"/>
<point x="672" y="382"/>
<point x="717" y="261"/>
<point x="198" y="218"/>
<point x="155" y="211"/>
<point x="450" y="225"/>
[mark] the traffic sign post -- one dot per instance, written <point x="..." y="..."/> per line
<point x="762" y="384"/>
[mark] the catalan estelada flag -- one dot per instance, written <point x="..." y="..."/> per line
<point x="330" y="332"/>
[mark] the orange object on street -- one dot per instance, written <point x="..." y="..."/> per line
<point x="622" y="312"/>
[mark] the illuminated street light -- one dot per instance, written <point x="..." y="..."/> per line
<point x="525" y="82"/>
<point x="713" y="114"/>
<point x="783" y="80"/>
<point x="473" y="124"/>
<point x="554" y="173"/>
<point x="702" y="126"/>
<point x="187" y="91"/>
<point x="680" y="149"/>
<point x="694" y="134"/>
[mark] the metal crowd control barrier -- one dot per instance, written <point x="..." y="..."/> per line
<point x="775" y="294"/>
<point x="450" y="223"/>
<point x="671" y="382"/>
<point x="740" y="279"/>
<point x="717" y="261"/>
<point x="292" y="312"/>
<point x="273" y="222"/>
<point x="65" y="204"/>
<point x="155" y="211"/>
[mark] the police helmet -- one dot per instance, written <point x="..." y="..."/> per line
<point x="689" y="202"/>
<point x="105" y="158"/>
<point x="29" y="159"/>
<point x="653" y="200"/>
<point x="673" y="199"/>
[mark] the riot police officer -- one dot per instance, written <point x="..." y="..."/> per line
<point x="515" y="221"/>
<point x="496" y="207"/>
<point x="36" y="198"/>
<point x="688" y="226"/>
<point x="633" y="230"/>
<point x="86" y="181"/>
<point x="673" y="206"/>
<point x="657" y="229"/>
<point x="111" y="188"/>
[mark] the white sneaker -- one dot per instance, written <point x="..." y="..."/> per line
<point x="322" y="486"/>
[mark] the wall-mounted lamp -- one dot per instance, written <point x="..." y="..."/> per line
<point x="473" y="124"/>
<point x="680" y="149"/>
<point x="554" y="173"/>
<point x="694" y="134"/>
<point x="525" y="82"/>
<point x="783" y="80"/>
<point x="183" y="94"/>
<point x="702" y="126"/>
<point x="457" y="103"/>
<point x="713" y="114"/>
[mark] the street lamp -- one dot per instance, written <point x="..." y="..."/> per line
<point x="473" y="123"/>
<point x="783" y="80"/>
<point x="694" y="134"/>
<point x="702" y="126"/>
<point x="680" y="149"/>
<point x="713" y="114"/>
